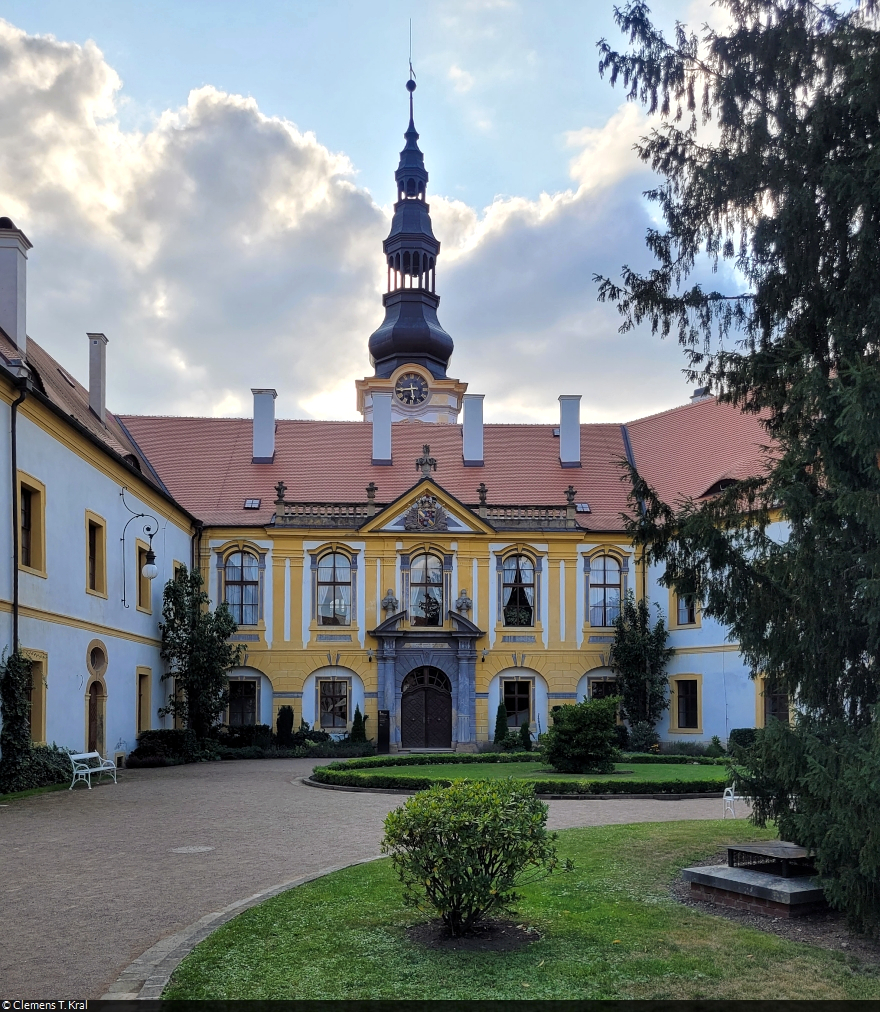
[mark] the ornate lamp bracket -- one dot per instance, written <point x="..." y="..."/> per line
<point x="150" y="529"/>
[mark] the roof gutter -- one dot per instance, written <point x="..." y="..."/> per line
<point x="22" y="385"/>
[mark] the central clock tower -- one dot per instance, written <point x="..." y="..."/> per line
<point x="410" y="351"/>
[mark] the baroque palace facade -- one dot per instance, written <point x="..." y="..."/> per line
<point x="418" y="563"/>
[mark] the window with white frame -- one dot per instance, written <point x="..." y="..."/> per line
<point x="518" y="591"/>
<point x="426" y="590"/>
<point x="686" y="609"/>
<point x="606" y="589"/>
<point x="334" y="589"/>
<point x="242" y="587"/>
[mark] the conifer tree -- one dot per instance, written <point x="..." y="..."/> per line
<point x="197" y="651"/>
<point x="358" y="727"/>
<point x="501" y="728"/>
<point x="766" y="152"/>
<point x="639" y="656"/>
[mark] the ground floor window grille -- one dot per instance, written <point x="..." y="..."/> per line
<point x="242" y="703"/>
<point x="333" y="704"/>
<point x="517" y="702"/>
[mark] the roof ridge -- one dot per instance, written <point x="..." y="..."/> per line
<point x="669" y="411"/>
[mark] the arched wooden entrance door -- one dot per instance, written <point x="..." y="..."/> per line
<point x="426" y="710"/>
<point x="94" y="704"/>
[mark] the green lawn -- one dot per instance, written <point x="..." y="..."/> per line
<point x="609" y="931"/>
<point x="540" y="771"/>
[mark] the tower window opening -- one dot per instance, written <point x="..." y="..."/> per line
<point x="410" y="187"/>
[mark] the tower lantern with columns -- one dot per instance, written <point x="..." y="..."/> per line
<point x="410" y="351"/>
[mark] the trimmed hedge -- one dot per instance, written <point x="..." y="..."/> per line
<point x="442" y="759"/>
<point x="341" y="778"/>
<point x="672" y="760"/>
<point x="433" y="759"/>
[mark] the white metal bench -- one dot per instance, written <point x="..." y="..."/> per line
<point x="90" y="764"/>
<point x="730" y="799"/>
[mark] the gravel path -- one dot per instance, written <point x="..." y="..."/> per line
<point x="90" y="879"/>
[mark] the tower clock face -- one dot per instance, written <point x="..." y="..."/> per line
<point x="411" y="389"/>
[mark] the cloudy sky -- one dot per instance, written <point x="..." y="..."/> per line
<point x="209" y="184"/>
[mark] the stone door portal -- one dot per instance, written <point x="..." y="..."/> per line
<point x="426" y="710"/>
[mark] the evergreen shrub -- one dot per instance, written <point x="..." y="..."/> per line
<point x="525" y="738"/>
<point x="44" y="765"/>
<point x="358" y="734"/>
<point x="501" y="728"/>
<point x="742" y="737"/>
<point x="582" y="738"/>
<point x="643" y="738"/>
<point x="462" y="850"/>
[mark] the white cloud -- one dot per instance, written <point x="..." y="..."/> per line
<point x="461" y="80"/>
<point x="222" y="249"/>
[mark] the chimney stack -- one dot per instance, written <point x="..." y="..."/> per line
<point x="264" y="426"/>
<point x="14" y="245"/>
<point x="472" y="430"/>
<point x="570" y="430"/>
<point x="97" y="374"/>
<point x="382" y="428"/>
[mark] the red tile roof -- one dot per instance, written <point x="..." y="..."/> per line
<point x="206" y="462"/>
<point x="72" y="399"/>
<point x="684" y="451"/>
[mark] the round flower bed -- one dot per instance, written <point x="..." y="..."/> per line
<point x="633" y="775"/>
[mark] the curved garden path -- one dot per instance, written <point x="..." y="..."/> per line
<point x="90" y="879"/>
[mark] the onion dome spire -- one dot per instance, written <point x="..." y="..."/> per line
<point x="411" y="332"/>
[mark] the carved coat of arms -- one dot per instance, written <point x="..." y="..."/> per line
<point x="426" y="514"/>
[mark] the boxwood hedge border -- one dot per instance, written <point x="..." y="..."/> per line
<point x="346" y="774"/>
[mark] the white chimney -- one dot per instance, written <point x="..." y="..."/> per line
<point x="14" y="245"/>
<point x="382" y="427"/>
<point x="97" y="374"/>
<point x="472" y="430"/>
<point x="570" y="430"/>
<point x="264" y="426"/>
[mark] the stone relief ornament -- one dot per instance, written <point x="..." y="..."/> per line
<point x="463" y="604"/>
<point x="390" y="604"/>
<point x="426" y="514"/>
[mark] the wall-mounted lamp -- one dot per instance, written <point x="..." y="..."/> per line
<point x="150" y="570"/>
<point x="369" y="655"/>
<point x="485" y="655"/>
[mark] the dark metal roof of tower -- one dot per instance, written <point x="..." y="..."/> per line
<point x="411" y="332"/>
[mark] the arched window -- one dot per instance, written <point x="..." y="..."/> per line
<point x="426" y="590"/>
<point x="334" y="589"/>
<point x="518" y="591"/>
<point x="242" y="587"/>
<point x="604" y="590"/>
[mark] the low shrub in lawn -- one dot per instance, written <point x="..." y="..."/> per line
<point x="462" y="850"/>
<point x="583" y="737"/>
<point x="643" y="737"/>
